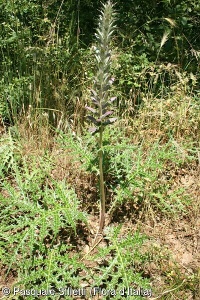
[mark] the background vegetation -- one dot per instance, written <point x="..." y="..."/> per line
<point x="48" y="162"/>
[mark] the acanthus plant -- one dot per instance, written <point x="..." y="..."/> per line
<point x="100" y="94"/>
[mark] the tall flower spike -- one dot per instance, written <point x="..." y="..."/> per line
<point x="103" y="80"/>
<point x="100" y="94"/>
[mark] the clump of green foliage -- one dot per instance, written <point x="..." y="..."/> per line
<point x="38" y="238"/>
<point x="33" y="216"/>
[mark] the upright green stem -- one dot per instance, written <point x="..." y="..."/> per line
<point x="102" y="187"/>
